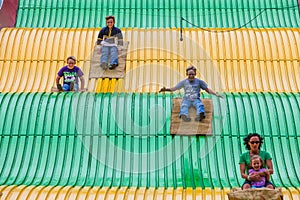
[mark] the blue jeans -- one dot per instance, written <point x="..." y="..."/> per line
<point x="113" y="52"/>
<point x="197" y="103"/>
<point x="66" y="87"/>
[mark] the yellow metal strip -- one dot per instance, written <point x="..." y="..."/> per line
<point x="121" y="193"/>
<point x="104" y="193"/>
<point x="101" y="195"/>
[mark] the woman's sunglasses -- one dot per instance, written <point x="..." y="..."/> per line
<point x="254" y="142"/>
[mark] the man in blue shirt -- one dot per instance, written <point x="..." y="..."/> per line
<point x="192" y="87"/>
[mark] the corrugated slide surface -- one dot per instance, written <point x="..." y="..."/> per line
<point x="123" y="140"/>
<point x="114" y="142"/>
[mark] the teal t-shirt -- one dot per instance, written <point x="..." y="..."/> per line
<point x="245" y="158"/>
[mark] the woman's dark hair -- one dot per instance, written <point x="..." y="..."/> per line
<point x="249" y="136"/>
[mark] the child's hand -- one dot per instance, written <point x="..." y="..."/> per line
<point x="99" y="49"/>
<point x="218" y="95"/>
<point x="267" y="173"/>
<point x="120" y="48"/>
<point x="254" y="176"/>
<point x="163" y="89"/>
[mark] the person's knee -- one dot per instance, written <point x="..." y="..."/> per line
<point x="270" y="186"/>
<point x="184" y="106"/>
<point x="114" y="49"/>
<point x="105" y="50"/>
<point x="246" y="186"/>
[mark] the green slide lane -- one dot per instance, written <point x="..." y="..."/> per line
<point x="123" y="139"/>
<point x="159" y="14"/>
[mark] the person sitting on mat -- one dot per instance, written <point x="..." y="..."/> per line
<point x="70" y="74"/>
<point x="257" y="165"/>
<point x="192" y="87"/>
<point x="253" y="143"/>
<point x="110" y="40"/>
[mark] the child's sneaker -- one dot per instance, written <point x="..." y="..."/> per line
<point x="104" y="65"/>
<point x="200" y="117"/>
<point x="185" y="118"/>
<point x="113" y="66"/>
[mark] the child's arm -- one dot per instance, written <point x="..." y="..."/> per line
<point x="164" y="89"/>
<point x="210" y="91"/>
<point x="82" y="82"/>
<point x="267" y="174"/>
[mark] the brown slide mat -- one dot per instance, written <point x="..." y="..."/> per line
<point x="119" y="72"/>
<point x="179" y="127"/>
<point x="255" y="193"/>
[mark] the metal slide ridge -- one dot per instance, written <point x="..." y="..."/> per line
<point x="69" y="193"/>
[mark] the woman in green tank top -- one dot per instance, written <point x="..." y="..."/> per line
<point x="253" y="143"/>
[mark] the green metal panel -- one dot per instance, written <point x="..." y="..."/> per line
<point x="158" y="14"/>
<point x="123" y="139"/>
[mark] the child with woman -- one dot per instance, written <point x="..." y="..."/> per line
<point x="257" y="165"/>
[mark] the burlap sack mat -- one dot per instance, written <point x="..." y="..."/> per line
<point x="179" y="127"/>
<point x="119" y="72"/>
<point x="255" y="194"/>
